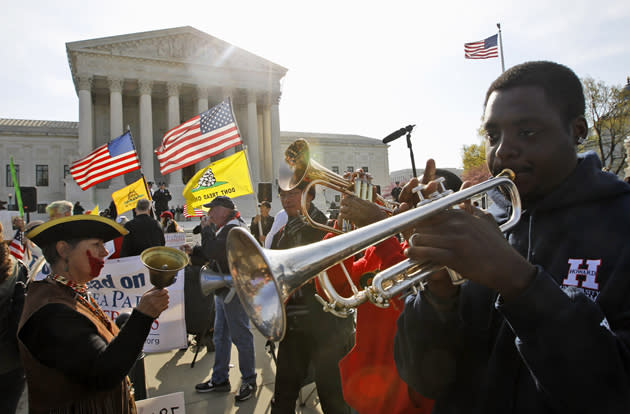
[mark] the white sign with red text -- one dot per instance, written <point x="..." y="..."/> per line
<point x="120" y="286"/>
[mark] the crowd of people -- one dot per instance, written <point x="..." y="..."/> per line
<point x="538" y="326"/>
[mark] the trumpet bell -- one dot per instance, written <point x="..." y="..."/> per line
<point x="260" y="293"/>
<point x="163" y="264"/>
<point x="211" y="281"/>
<point x="264" y="279"/>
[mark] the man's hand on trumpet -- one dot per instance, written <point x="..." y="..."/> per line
<point x="360" y="212"/>
<point x="468" y="241"/>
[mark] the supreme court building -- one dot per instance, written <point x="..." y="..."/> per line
<point x="151" y="82"/>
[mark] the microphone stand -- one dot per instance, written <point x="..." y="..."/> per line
<point x="413" y="160"/>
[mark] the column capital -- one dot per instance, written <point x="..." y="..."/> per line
<point x="173" y="88"/>
<point x="115" y="84"/>
<point x="274" y="98"/>
<point x="84" y="82"/>
<point x="271" y="98"/>
<point x="251" y="96"/>
<point x="145" y="86"/>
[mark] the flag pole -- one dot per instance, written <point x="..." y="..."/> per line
<point x="256" y="199"/>
<point x="501" y="47"/>
<point x="249" y="170"/>
<point x="146" y="186"/>
<point x="16" y="186"/>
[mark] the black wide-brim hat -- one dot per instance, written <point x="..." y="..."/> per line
<point x="84" y="226"/>
<point x="222" y="201"/>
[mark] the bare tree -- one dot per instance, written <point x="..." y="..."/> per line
<point x="608" y="114"/>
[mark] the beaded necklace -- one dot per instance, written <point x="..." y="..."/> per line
<point x="86" y="299"/>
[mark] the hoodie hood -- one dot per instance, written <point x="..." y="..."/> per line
<point x="586" y="183"/>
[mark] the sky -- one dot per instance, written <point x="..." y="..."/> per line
<point x="354" y="67"/>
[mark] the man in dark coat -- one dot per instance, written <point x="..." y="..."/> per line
<point x="161" y="197"/>
<point x="144" y="231"/>
<point x="313" y="338"/>
<point x="266" y="221"/>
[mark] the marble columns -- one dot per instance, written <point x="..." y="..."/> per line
<point x="174" y="119"/>
<point x="202" y="106"/>
<point x="86" y="136"/>
<point x="252" y="137"/>
<point x="146" y="129"/>
<point x="276" y="157"/>
<point x="115" y="121"/>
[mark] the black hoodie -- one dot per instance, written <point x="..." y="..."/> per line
<point x="563" y="346"/>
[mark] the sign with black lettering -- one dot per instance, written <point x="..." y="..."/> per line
<point x="164" y="404"/>
<point x="120" y="286"/>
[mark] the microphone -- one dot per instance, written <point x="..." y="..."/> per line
<point x="397" y="134"/>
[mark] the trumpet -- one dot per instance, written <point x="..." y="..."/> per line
<point x="300" y="169"/>
<point x="264" y="279"/>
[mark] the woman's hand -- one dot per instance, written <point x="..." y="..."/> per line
<point x="186" y="248"/>
<point x="153" y="302"/>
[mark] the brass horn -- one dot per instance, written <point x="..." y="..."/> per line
<point x="264" y="279"/>
<point x="212" y="281"/>
<point x="163" y="264"/>
<point x="301" y="169"/>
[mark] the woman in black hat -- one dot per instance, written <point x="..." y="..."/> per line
<point x="76" y="360"/>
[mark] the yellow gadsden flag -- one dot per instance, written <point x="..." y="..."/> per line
<point x="127" y="197"/>
<point x="227" y="177"/>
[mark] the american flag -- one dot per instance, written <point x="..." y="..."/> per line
<point x="199" y="138"/>
<point x="483" y="49"/>
<point x="197" y="212"/>
<point x="16" y="247"/>
<point x="115" y="158"/>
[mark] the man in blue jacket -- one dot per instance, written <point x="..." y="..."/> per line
<point x="543" y="323"/>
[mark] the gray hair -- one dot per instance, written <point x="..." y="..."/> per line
<point x="59" y="208"/>
<point x="143" y="205"/>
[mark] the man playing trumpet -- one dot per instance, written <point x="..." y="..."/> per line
<point x="542" y="325"/>
<point x="313" y="337"/>
<point x="368" y="373"/>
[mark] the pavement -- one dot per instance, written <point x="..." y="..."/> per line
<point x="170" y="372"/>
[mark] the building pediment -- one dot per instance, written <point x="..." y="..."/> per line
<point x="180" y="45"/>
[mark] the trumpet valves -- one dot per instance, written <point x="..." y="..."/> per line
<point x="441" y="192"/>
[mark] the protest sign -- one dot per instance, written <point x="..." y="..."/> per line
<point x="119" y="288"/>
<point x="175" y="239"/>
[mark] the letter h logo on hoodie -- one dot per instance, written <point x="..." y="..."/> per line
<point x="588" y="274"/>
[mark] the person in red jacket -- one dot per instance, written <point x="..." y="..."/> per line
<point x="370" y="381"/>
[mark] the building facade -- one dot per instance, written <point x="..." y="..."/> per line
<point x="42" y="153"/>
<point x="153" y="81"/>
<point x="150" y="82"/>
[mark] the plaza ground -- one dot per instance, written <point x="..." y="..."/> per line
<point x="170" y="372"/>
